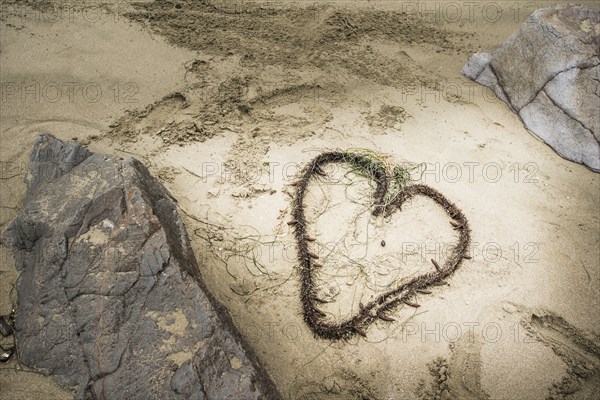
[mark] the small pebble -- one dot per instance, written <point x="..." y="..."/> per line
<point x="5" y="355"/>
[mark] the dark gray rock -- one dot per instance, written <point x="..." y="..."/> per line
<point x="549" y="73"/>
<point x="110" y="298"/>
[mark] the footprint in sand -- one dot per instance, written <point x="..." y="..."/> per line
<point x="552" y="359"/>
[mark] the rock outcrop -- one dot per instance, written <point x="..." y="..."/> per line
<point x="549" y="73"/>
<point x="110" y="298"/>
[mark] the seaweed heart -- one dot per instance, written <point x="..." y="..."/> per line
<point x="382" y="206"/>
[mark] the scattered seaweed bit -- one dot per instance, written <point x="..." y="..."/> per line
<point x="320" y="313"/>
<point x="410" y="303"/>
<point x="319" y="300"/>
<point x="392" y="190"/>
<point x="384" y="317"/>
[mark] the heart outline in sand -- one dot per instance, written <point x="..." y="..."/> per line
<point x="377" y="308"/>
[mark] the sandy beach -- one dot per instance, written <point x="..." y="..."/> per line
<point x="225" y="102"/>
